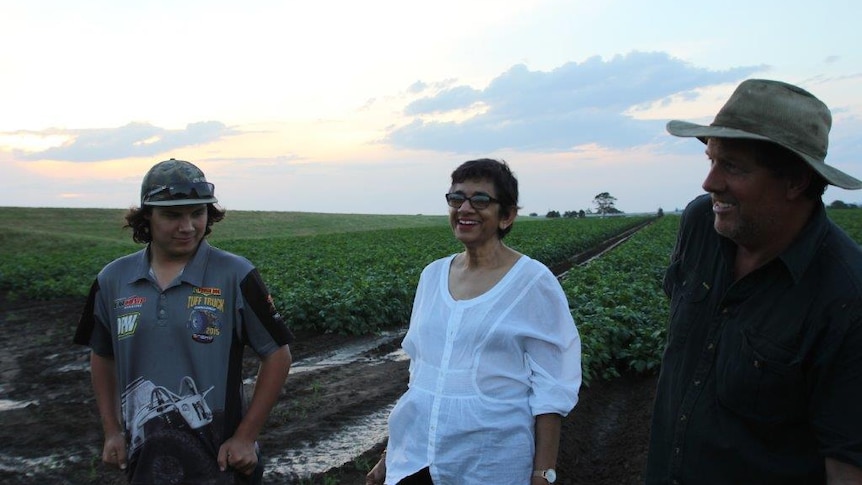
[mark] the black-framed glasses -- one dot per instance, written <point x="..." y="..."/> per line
<point x="477" y="201"/>
<point x="193" y="190"/>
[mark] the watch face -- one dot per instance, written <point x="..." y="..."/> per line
<point x="551" y="475"/>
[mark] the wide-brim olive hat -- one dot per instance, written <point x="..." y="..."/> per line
<point x="781" y="113"/>
<point x="176" y="182"/>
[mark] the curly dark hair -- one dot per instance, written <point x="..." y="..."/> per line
<point x="136" y="219"/>
<point x="498" y="173"/>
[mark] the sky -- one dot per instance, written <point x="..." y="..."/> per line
<point x="366" y="107"/>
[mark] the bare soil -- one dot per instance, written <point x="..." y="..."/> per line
<point x="56" y="437"/>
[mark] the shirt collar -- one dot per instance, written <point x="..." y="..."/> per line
<point x="142" y="266"/>
<point x="193" y="273"/>
<point x="798" y="256"/>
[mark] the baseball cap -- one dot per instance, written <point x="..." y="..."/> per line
<point x="176" y="182"/>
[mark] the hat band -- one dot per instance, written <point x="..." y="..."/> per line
<point x="194" y="190"/>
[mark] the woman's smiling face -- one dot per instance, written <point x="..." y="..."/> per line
<point x="472" y="226"/>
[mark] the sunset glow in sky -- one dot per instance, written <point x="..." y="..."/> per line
<point x="367" y="107"/>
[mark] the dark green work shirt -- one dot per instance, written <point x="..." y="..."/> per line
<point x="761" y="378"/>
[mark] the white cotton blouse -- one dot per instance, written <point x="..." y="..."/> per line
<point x="480" y="371"/>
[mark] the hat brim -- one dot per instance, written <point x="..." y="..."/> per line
<point x="169" y="203"/>
<point x="702" y="132"/>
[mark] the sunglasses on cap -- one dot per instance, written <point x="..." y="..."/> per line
<point x="194" y="190"/>
<point x="477" y="201"/>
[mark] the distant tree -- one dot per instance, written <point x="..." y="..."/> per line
<point x="552" y="214"/>
<point x="604" y="203"/>
<point x="570" y="214"/>
<point x="660" y="212"/>
<point x="533" y="214"/>
<point x="838" y="204"/>
<point x="582" y="214"/>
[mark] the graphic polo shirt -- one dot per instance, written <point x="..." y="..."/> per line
<point x="178" y="353"/>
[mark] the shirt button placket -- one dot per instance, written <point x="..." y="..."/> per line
<point x="163" y="311"/>
<point x="444" y="368"/>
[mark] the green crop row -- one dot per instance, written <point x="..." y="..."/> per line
<point x="347" y="282"/>
<point x="850" y="220"/>
<point x="618" y="303"/>
<point x="620" y="307"/>
<point x="360" y="282"/>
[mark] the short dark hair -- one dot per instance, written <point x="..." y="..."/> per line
<point x="499" y="174"/>
<point x="136" y="219"/>
<point x="784" y="163"/>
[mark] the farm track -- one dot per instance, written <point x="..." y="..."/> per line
<point x="326" y="427"/>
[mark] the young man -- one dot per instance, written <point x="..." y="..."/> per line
<point x="167" y="326"/>
<point x="761" y="378"/>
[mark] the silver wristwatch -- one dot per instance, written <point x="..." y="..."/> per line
<point x="549" y="475"/>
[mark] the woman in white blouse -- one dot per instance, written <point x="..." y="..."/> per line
<point x="495" y="357"/>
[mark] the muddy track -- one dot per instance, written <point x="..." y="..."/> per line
<point x="328" y="426"/>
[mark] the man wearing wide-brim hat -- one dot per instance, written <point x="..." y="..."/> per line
<point x="761" y="379"/>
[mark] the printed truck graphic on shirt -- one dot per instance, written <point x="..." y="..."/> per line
<point x="147" y="406"/>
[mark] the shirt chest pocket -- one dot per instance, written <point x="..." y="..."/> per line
<point x="687" y="304"/>
<point x="760" y="380"/>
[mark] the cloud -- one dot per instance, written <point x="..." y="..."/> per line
<point x="459" y="97"/>
<point x="417" y="87"/>
<point x="574" y="104"/>
<point x="131" y="140"/>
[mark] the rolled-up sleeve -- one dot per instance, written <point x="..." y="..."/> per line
<point x="553" y="353"/>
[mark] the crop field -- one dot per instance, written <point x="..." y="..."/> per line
<point x="345" y="284"/>
<point x="322" y="277"/>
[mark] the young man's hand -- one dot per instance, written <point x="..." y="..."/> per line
<point x="114" y="451"/>
<point x="238" y="454"/>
